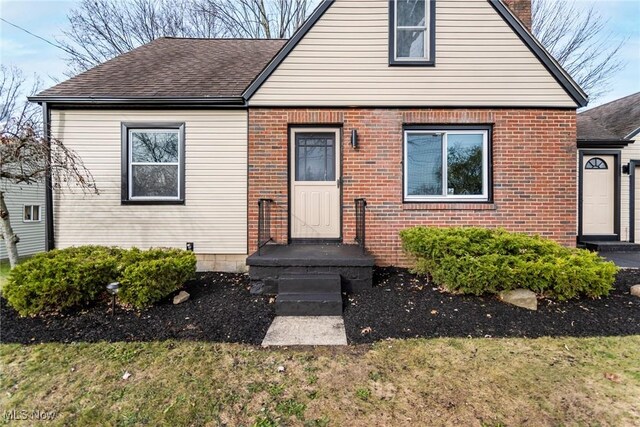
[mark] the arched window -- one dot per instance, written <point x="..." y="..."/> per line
<point x="596" y="163"/>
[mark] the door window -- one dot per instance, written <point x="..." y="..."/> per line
<point x="315" y="157"/>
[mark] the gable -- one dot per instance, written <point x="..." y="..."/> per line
<point x="343" y="60"/>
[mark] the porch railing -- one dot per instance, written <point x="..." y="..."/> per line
<point x="264" y="222"/>
<point x="361" y="223"/>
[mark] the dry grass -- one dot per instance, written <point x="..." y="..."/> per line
<point x="483" y="382"/>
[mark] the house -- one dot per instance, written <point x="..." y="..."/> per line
<point x="26" y="207"/>
<point x="375" y="116"/>
<point x="609" y="155"/>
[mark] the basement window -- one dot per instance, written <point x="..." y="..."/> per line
<point x="411" y="32"/>
<point x="31" y="213"/>
<point x="153" y="163"/>
<point x="443" y="165"/>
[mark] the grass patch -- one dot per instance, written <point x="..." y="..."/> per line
<point x="560" y="381"/>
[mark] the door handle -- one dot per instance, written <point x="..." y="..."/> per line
<point x="338" y="182"/>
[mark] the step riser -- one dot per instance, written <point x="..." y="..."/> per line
<point x="354" y="279"/>
<point x="612" y="247"/>
<point x="308" y="308"/>
<point x="310" y="284"/>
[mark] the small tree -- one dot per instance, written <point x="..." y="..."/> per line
<point x="26" y="156"/>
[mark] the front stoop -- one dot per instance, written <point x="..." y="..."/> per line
<point x="306" y="330"/>
<point x="354" y="266"/>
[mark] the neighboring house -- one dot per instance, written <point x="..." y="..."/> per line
<point x="27" y="214"/>
<point x="440" y="113"/>
<point x="608" y="184"/>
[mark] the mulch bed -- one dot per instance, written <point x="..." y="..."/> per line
<point x="401" y="305"/>
<point x="220" y="309"/>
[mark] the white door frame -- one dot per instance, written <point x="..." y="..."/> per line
<point x="617" y="155"/>
<point x="293" y="130"/>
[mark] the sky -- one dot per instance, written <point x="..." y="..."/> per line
<point x="46" y="18"/>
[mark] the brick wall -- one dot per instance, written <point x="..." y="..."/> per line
<point x="534" y="172"/>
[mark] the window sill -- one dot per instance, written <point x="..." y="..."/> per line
<point x="440" y="206"/>
<point x="414" y="63"/>
<point x="152" y="202"/>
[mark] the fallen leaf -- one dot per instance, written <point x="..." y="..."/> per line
<point x="612" y="377"/>
<point x="126" y="375"/>
<point x="434" y="312"/>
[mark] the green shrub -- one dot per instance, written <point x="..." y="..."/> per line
<point x="61" y="279"/>
<point x="151" y="275"/>
<point x="473" y="260"/>
<point x="77" y="276"/>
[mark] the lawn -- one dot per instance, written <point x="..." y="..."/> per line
<point x="491" y="382"/>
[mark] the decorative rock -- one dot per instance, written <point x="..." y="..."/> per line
<point x="520" y="297"/>
<point x="181" y="297"/>
<point x="635" y="290"/>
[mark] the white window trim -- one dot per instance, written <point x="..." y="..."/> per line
<point x="425" y="28"/>
<point x="484" y="197"/>
<point x="132" y="163"/>
<point x="32" y="220"/>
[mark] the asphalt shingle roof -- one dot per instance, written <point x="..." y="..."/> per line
<point x="175" y="67"/>
<point x="612" y="121"/>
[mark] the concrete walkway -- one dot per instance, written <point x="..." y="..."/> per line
<point x="306" y="330"/>
<point x="623" y="259"/>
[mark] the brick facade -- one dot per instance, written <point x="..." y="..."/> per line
<point x="534" y="172"/>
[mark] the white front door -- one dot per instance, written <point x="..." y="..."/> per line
<point x="315" y="183"/>
<point x="598" y="195"/>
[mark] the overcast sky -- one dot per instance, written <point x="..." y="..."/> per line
<point x="46" y="18"/>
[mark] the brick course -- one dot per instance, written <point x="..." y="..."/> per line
<point x="534" y="172"/>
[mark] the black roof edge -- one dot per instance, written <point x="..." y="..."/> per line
<point x="633" y="133"/>
<point x="286" y="49"/>
<point x="565" y="80"/>
<point x="603" y="143"/>
<point x="178" y="101"/>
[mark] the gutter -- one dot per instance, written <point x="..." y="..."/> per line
<point x="142" y="101"/>
<point x="50" y="241"/>
<point x="603" y="143"/>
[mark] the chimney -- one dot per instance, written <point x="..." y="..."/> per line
<point x="522" y="9"/>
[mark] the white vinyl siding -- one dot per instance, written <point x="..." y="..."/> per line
<point x="31" y="233"/>
<point x="630" y="152"/>
<point x="214" y="216"/>
<point x="344" y="61"/>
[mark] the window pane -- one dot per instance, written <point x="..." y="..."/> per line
<point x="315" y="158"/>
<point x="410" y="44"/>
<point x="424" y="165"/>
<point x="464" y="164"/>
<point x="154" y="147"/>
<point x="155" y="181"/>
<point x="27" y="213"/>
<point x="36" y="213"/>
<point x="411" y="13"/>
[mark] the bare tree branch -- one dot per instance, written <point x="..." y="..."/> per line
<point x="101" y="29"/>
<point x="578" y="39"/>
<point x="260" y="18"/>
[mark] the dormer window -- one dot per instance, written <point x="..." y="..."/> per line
<point x="411" y="32"/>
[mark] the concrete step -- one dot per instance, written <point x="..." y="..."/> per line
<point x="309" y="283"/>
<point x="611" y="246"/>
<point x="309" y="304"/>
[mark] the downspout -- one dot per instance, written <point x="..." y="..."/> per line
<point x="50" y="241"/>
